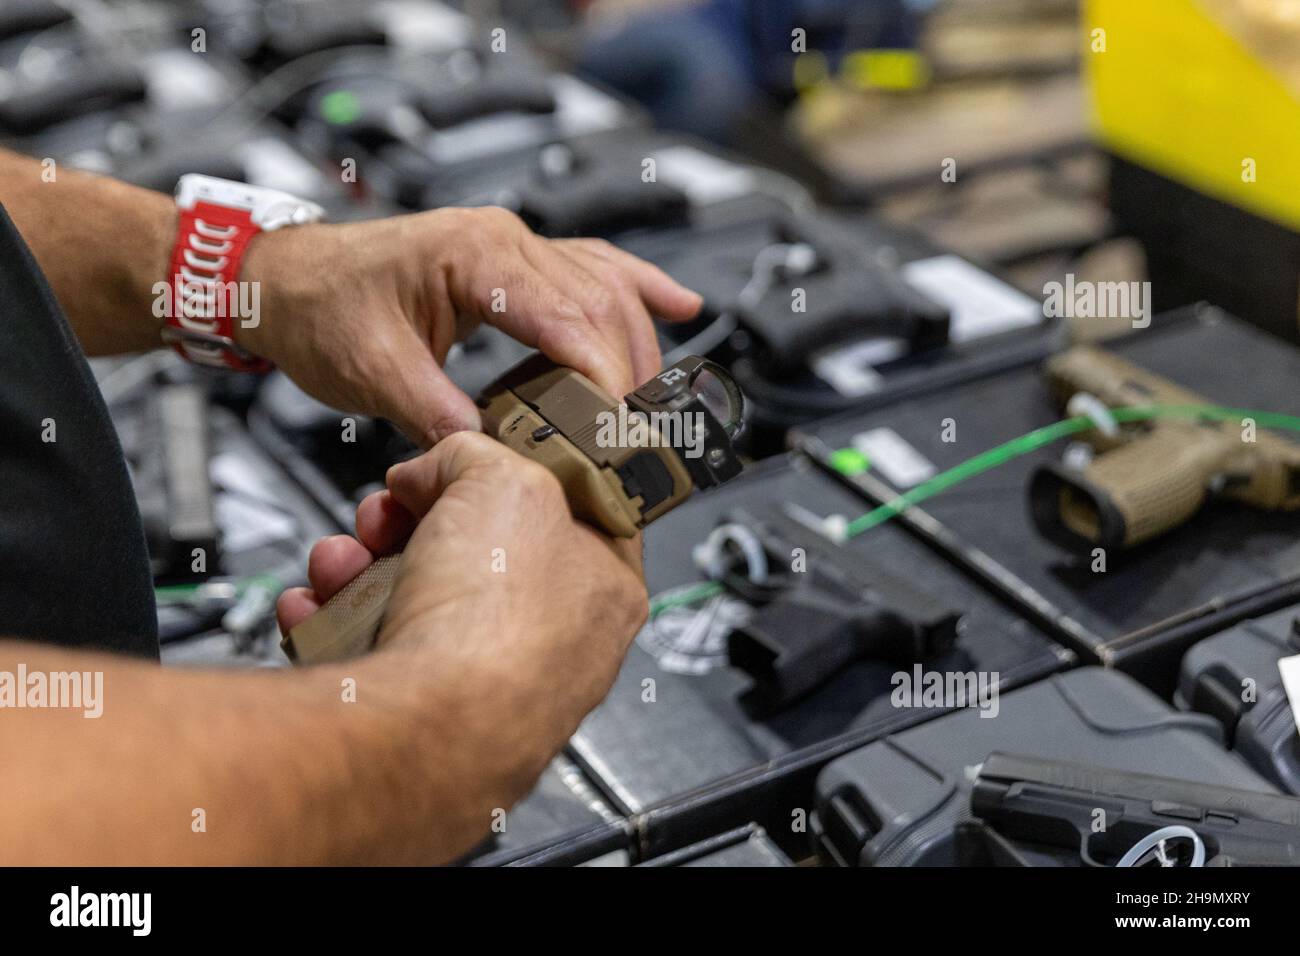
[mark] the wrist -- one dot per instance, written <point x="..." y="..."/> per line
<point x="265" y="284"/>
<point x="111" y="298"/>
<point x="291" y="274"/>
<point x="155" y="227"/>
<point x="374" y="713"/>
<point x="453" y="783"/>
<point x="444" y="654"/>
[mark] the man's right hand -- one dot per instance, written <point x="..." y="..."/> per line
<point x="499" y="586"/>
<point x="409" y="755"/>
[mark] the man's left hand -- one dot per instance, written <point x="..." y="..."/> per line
<point x="362" y="315"/>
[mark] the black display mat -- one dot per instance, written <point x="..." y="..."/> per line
<point x="695" y="733"/>
<point x="1229" y="562"/>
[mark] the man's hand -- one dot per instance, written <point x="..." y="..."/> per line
<point x="507" y="625"/>
<point x="361" y="315"/>
<point x="499" y="587"/>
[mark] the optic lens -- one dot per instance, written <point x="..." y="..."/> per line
<point x="719" y="394"/>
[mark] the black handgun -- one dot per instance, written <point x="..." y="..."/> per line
<point x="99" y="82"/>
<point x="175" y="490"/>
<point x="846" y="294"/>
<point x="818" y="609"/>
<point x="488" y="91"/>
<point x="1107" y="814"/>
<point x="579" y="192"/>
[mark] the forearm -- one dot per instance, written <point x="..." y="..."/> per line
<point x="280" y="767"/>
<point x="102" y="245"/>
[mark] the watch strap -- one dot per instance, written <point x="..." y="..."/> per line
<point x="218" y="220"/>
<point x="205" y="297"/>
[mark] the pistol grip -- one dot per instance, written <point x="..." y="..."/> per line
<point x="1132" y="494"/>
<point x="799" y="642"/>
<point x="347" y="624"/>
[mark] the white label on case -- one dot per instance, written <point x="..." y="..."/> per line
<point x="703" y="178"/>
<point x="981" y="304"/>
<point x="887" y="452"/>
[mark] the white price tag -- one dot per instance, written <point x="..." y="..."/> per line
<point x="850" y="369"/>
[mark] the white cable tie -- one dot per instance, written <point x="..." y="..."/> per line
<point x="709" y="554"/>
<point x="1090" y="406"/>
<point x="1157" y="839"/>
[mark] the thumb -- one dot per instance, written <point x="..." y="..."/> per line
<point x="424" y="403"/>
<point x="417" y="483"/>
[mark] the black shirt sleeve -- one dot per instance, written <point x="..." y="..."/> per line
<point x="73" y="565"/>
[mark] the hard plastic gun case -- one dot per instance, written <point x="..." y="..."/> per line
<point x="744" y="846"/>
<point x="1227" y="563"/>
<point x="900" y="800"/>
<point x="1259" y="725"/>
<point x="564" y="809"/>
<point x="695" y="735"/>
<point x="747" y="846"/>
<point x="992" y="327"/>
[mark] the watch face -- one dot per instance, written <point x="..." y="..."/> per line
<point x="268" y="208"/>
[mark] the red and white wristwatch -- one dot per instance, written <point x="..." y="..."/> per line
<point x="218" y="219"/>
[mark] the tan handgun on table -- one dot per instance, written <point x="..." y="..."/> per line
<point x="1149" y="477"/>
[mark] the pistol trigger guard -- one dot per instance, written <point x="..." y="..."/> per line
<point x="1084" y="853"/>
<point x="1156" y="839"/>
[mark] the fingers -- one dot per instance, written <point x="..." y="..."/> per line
<point x="641" y="288"/>
<point x="294" y="606"/>
<point x="541" y="312"/>
<point x="632" y="326"/>
<point x="418" y="483"/>
<point x="334" y="562"/>
<point x="609" y="305"/>
<point x="422" y="400"/>
<point x="385" y="520"/>
<point x="582" y="302"/>
<point x="644" y="344"/>
<point x="663" y="295"/>
<point x="574" y="343"/>
<point x="637" y="332"/>
<point x="383" y="525"/>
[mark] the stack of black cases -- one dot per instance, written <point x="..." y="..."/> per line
<point x="672" y="748"/>
<point x="892" y="784"/>
<point x="901" y="801"/>
<point x="1236" y="678"/>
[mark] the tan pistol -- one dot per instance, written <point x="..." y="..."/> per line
<point x="1148" y="477"/>
<point x="622" y="466"/>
